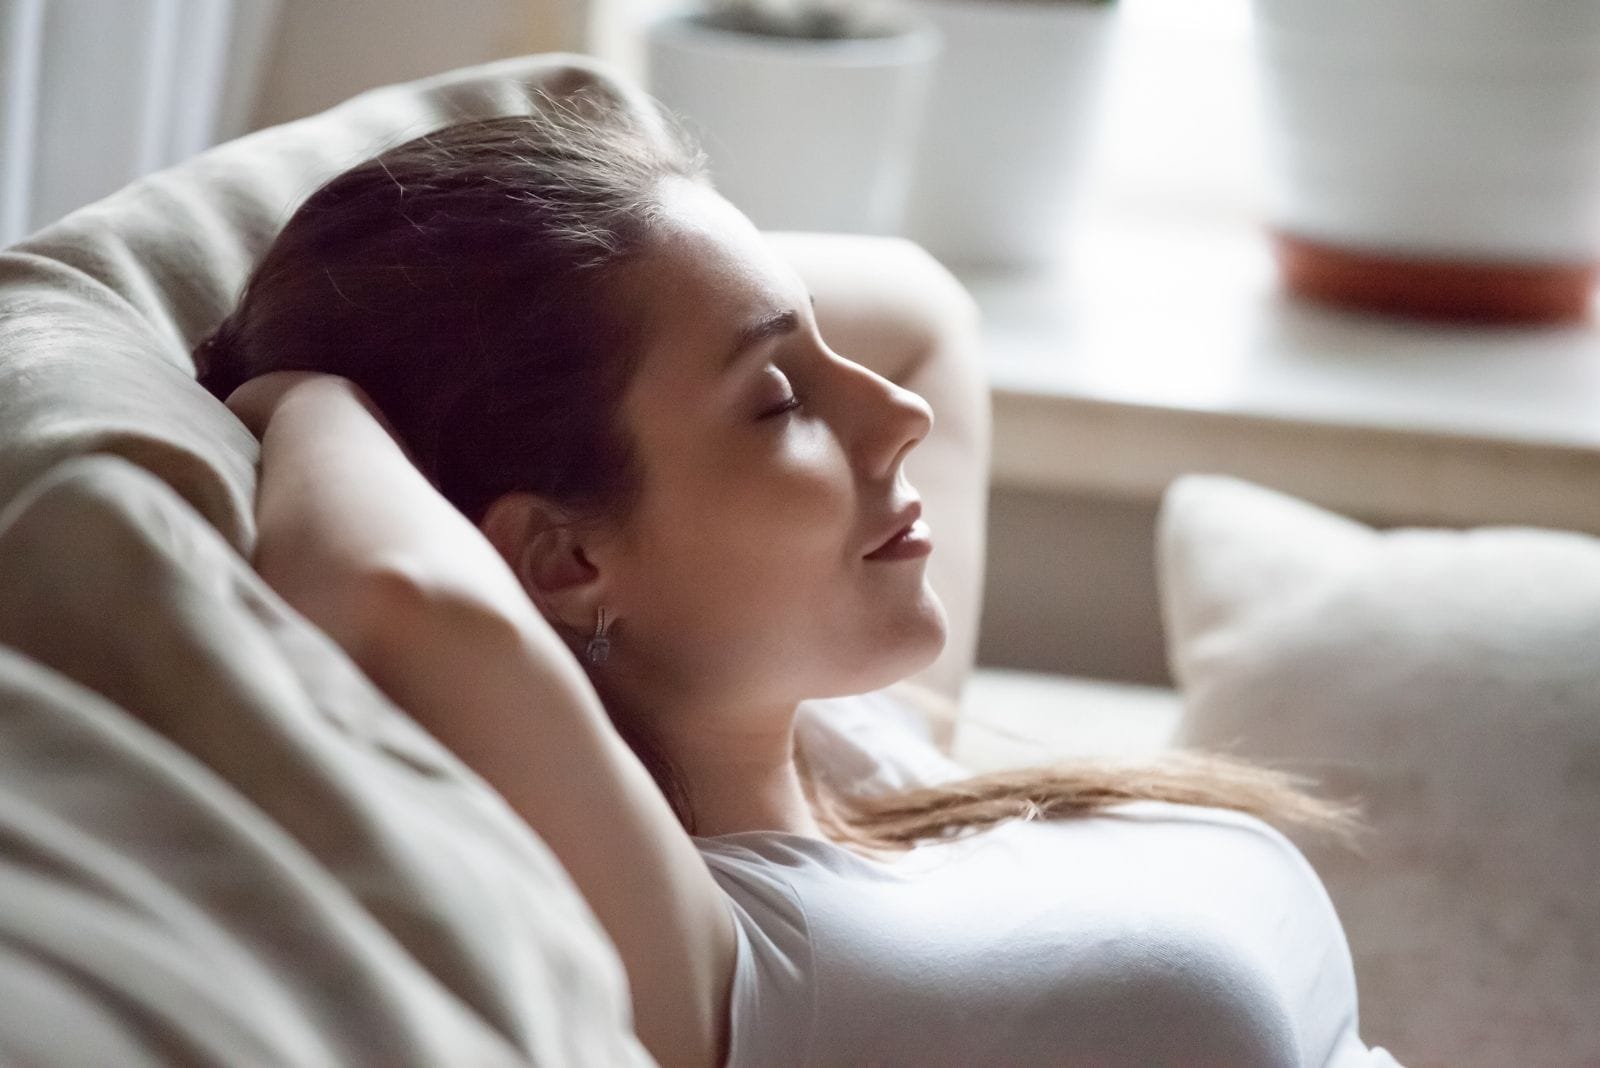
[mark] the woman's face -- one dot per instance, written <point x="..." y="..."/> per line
<point x="772" y="467"/>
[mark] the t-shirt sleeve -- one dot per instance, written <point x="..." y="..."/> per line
<point x="772" y="1004"/>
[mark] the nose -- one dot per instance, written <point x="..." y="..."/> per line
<point x="890" y="421"/>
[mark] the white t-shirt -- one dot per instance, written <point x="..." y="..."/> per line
<point x="1158" y="935"/>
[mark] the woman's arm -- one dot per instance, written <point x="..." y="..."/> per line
<point x="354" y="537"/>
<point x="888" y="305"/>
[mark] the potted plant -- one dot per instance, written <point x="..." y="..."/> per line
<point x="808" y="109"/>
<point x="1438" y="160"/>
<point x="1014" y="108"/>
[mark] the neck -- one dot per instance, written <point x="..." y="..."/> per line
<point x="736" y="765"/>
<point x="744" y="778"/>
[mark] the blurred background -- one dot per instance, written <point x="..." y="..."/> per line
<point x="147" y="81"/>
<point x="1344" y="250"/>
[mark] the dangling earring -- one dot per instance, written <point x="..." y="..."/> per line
<point x="599" y="646"/>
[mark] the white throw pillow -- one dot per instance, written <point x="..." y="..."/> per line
<point x="1451" y="680"/>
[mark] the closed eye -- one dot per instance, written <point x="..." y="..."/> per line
<point x="784" y="408"/>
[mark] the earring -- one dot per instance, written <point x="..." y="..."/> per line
<point x="599" y="646"/>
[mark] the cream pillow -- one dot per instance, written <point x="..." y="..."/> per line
<point x="221" y="844"/>
<point x="1451" y="680"/>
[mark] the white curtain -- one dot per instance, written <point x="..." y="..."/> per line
<point x="95" y="93"/>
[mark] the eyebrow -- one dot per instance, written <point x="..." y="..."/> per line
<point x="771" y="326"/>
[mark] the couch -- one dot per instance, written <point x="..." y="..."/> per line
<point x="223" y="845"/>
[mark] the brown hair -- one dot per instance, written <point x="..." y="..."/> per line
<point x="465" y="281"/>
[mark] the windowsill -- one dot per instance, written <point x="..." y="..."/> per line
<point x="1162" y="347"/>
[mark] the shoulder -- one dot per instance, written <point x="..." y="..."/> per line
<point x="1214" y="845"/>
<point x="1241" y="834"/>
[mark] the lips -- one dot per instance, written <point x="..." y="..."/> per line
<point x="902" y="524"/>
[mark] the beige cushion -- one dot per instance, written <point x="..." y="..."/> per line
<point x="1452" y="680"/>
<point x="221" y="843"/>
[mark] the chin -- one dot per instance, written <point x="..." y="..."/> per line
<point x="897" y="651"/>
<point x="937" y="636"/>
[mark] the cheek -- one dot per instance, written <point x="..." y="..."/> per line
<point x="797" y="503"/>
<point x="791" y="521"/>
<point x="773" y="518"/>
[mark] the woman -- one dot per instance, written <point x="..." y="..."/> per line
<point x="561" y="450"/>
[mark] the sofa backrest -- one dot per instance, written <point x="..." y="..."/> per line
<point x="219" y="842"/>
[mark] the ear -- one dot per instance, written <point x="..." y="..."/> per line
<point x="547" y="553"/>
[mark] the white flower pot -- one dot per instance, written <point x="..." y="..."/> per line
<point x="1459" y="134"/>
<point x="1013" y="111"/>
<point x="801" y="134"/>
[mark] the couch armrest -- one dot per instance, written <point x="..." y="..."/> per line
<point x="1013" y="718"/>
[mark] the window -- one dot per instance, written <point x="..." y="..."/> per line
<point x="1179" y="137"/>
